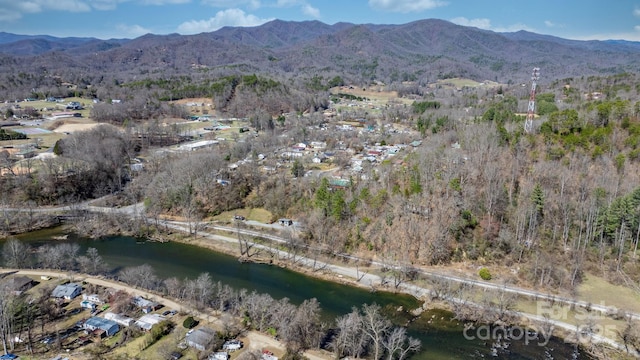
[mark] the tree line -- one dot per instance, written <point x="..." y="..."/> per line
<point x="363" y="333"/>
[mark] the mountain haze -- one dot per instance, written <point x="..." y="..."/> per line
<point x="424" y="50"/>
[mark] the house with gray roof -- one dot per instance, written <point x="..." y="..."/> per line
<point x="17" y="284"/>
<point x="67" y="291"/>
<point x="101" y="326"/>
<point x="201" y="338"/>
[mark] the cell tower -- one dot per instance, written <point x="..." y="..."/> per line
<point x="528" y="123"/>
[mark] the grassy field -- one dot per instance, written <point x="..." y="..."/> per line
<point x="598" y="291"/>
<point x="461" y="82"/>
<point x="260" y="215"/>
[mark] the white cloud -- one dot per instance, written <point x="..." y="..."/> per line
<point x="11" y="10"/>
<point x="7" y="15"/>
<point x="165" y="2"/>
<point x="34" y="6"/>
<point x="104" y="5"/>
<point x="406" y="6"/>
<point x="229" y="17"/>
<point x="551" y="24"/>
<point x="485" y="24"/>
<point x="480" y="23"/>
<point x="132" y="31"/>
<point x="311" y="11"/>
<point x="253" y="4"/>
<point x="287" y="3"/>
<point x="636" y="12"/>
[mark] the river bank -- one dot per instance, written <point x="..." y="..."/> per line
<point x="254" y="340"/>
<point x="332" y="272"/>
<point x="367" y="279"/>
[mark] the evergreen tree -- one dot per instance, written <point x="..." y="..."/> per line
<point x="537" y="198"/>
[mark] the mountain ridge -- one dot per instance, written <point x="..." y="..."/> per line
<point x="425" y="50"/>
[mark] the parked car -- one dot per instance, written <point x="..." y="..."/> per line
<point x="239" y="217"/>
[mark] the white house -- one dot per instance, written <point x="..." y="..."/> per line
<point x="220" y="355"/>
<point x="94" y="298"/>
<point x="120" y="319"/>
<point x="86" y="304"/>
<point x="147" y="321"/>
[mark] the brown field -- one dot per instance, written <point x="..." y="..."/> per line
<point x="374" y="93"/>
<point x="204" y="106"/>
<point x="598" y="291"/>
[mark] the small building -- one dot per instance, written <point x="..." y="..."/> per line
<point x="232" y="345"/>
<point x="201" y="338"/>
<point x="67" y="291"/>
<point x="17" y="284"/>
<point x="86" y="304"/>
<point x="94" y="298"/>
<point x="145" y="305"/>
<point x="220" y="355"/>
<point x="103" y="326"/>
<point x="147" y="321"/>
<point x="198" y="145"/>
<point x="119" y="319"/>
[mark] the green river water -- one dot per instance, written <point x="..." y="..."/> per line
<point x="442" y="337"/>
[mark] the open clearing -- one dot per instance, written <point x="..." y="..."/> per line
<point x="597" y="290"/>
<point x="70" y="128"/>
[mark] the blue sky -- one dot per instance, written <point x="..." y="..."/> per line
<point x="574" y="19"/>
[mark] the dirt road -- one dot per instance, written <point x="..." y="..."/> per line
<point x="255" y="340"/>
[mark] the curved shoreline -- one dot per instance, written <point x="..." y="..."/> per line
<point x="257" y="339"/>
<point x="348" y="276"/>
<point x="344" y="274"/>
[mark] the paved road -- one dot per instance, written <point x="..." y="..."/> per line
<point x="354" y="273"/>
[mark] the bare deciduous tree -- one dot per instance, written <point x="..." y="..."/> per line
<point x="15" y="254"/>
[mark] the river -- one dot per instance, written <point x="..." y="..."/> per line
<point x="441" y="336"/>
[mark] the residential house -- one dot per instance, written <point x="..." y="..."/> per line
<point x="145" y="305"/>
<point x="67" y="291"/>
<point x="201" y="338"/>
<point x="86" y="304"/>
<point x="220" y="355"/>
<point x="101" y="327"/>
<point x="232" y="345"/>
<point x="94" y="298"/>
<point x="120" y="319"/>
<point x="17" y="284"/>
<point x="147" y="321"/>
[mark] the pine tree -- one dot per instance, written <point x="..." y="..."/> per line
<point x="537" y="198"/>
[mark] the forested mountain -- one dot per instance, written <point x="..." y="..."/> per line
<point x="555" y="203"/>
<point x="425" y="51"/>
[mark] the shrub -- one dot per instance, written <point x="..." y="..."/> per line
<point x="189" y="322"/>
<point x="485" y="274"/>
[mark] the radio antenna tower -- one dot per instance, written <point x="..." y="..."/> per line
<point x="528" y="123"/>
